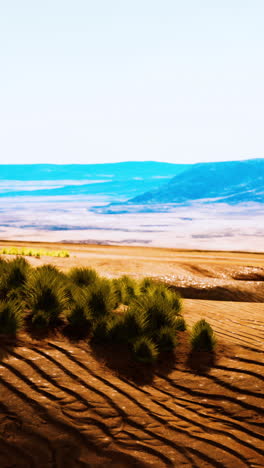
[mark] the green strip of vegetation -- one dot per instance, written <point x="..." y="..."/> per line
<point x="25" y="251"/>
<point x="144" y="316"/>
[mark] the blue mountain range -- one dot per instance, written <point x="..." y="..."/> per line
<point x="141" y="183"/>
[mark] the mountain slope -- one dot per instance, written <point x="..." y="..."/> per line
<point x="122" y="170"/>
<point x="231" y="182"/>
<point x="116" y="180"/>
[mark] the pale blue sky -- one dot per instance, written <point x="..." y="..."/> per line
<point x="106" y="80"/>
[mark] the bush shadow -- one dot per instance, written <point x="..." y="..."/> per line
<point x="7" y="345"/>
<point x="201" y="362"/>
<point x="43" y="332"/>
<point x="120" y="360"/>
<point x="74" y="334"/>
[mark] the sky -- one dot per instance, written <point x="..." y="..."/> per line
<point x="86" y="81"/>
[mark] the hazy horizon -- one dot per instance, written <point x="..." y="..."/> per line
<point x="123" y="161"/>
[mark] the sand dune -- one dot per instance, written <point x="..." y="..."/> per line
<point x="67" y="404"/>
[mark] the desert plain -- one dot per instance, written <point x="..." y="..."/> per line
<point x="70" y="404"/>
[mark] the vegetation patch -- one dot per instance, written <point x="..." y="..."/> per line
<point x="202" y="336"/>
<point x="144" y="317"/>
<point x="29" y="252"/>
<point x="145" y="350"/>
<point x="11" y="319"/>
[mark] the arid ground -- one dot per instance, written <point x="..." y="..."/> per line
<point x="69" y="404"/>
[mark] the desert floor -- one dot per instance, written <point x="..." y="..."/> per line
<point x="66" y="404"/>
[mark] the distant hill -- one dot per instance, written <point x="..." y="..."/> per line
<point x="125" y="180"/>
<point x="146" y="183"/>
<point x="231" y="182"/>
<point x="117" y="171"/>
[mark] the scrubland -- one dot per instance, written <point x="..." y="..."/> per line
<point x="102" y="364"/>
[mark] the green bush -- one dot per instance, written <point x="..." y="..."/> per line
<point x="101" y="299"/>
<point x="126" y="289"/>
<point x="17" y="272"/>
<point x="170" y="296"/>
<point x="133" y="324"/>
<point x="202" y="336"/>
<point x="3" y="262"/>
<point x="157" y="311"/>
<point x="13" y="279"/>
<point x="83" y="277"/>
<point x="52" y="271"/>
<point x="47" y="298"/>
<point x="180" y="324"/>
<point x="87" y="302"/>
<point x="11" y="318"/>
<point x="3" y="267"/>
<point x="103" y="328"/>
<point x="146" y="284"/>
<point x="40" y="319"/>
<point x="145" y="350"/>
<point x="79" y="315"/>
<point x="166" y="339"/>
<point x="119" y="291"/>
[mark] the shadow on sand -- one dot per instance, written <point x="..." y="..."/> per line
<point x="120" y="360"/>
<point x="7" y="344"/>
<point x="201" y="362"/>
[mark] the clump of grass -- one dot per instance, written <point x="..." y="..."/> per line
<point x="3" y="266"/>
<point x="79" y="315"/>
<point x="151" y="316"/>
<point x="104" y="329"/>
<point x="180" y="324"/>
<point x="33" y="252"/>
<point x="126" y="289"/>
<point x="101" y="299"/>
<point x="145" y="350"/>
<point x="52" y="271"/>
<point x="14" y="278"/>
<point x="62" y="254"/>
<point x="166" y="339"/>
<point x="82" y="301"/>
<point x="120" y="291"/>
<point x="83" y="277"/>
<point x="168" y="295"/>
<point x="146" y="284"/>
<point x="133" y="324"/>
<point x="17" y="272"/>
<point x="202" y="336"/>
<point x="47" y="298"/>
<point x="157" y="310"/>
<point x="11" y="318"/>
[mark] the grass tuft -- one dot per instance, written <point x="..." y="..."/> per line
<point x="101" y="299"/>
<point x="202" y="336"/>
<point x="126" y="289"/>
<point x="14" y="276"/>
<point x="180" y="324"/>
<point x="166" y="339"/>
<point x="11" y="318"/>
<point x="157" y="311"/>
<point x="104" y="328"/>
<point x="145" y="350"/>
<point x="47" y="298"/>
<point x="83" y="277"/>
<point x="79" y="314"/>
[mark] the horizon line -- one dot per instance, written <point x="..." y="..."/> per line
<point x="132" y="161"/>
